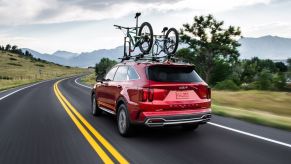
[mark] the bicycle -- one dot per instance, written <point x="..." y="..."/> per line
<point x="138" y="36"/>
<point x="169" y="40"/>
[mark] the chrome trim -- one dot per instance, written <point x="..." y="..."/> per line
<point x="107" y="110"/>
<point x="204" y="118"/>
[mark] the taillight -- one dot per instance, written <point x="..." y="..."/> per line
<point x="151" y="95"/>
<point x="147" y="94"/>
<point x="204" y="92"/>
<point x="144" y="94"/>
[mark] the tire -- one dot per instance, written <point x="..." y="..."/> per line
<point x="95" y="110"/>
<point x="171" y="44"/>
<point x="190" y="127"/>
<point x="145" y="38"/>
<point x="123" y="122"/>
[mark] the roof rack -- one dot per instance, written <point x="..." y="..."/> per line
<point x="150" y="58"/>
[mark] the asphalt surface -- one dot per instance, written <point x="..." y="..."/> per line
<point x="35" y="128"/>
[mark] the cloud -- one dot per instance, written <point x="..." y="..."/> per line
<point x="275" y="28"/>
<point x="17" y="12"/>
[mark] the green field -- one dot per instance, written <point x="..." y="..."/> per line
<point x="261" y="107"/>
<point x="17" y="70"/>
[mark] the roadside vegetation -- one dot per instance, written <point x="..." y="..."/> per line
<point x="100" y="70"/>
<point x="17" y="68"/>
<point x="269" y="108"/>
<point x="89" y="79"/>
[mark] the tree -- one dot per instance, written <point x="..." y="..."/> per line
<point x="281" y="67"/>
<point x="210" y="42"/>
<point x="27" y="53"/>
<point x="264" y="80"/>
<point x="102" y="67"/>
<point x="8" y="47"/>
<point x="14" y="48"/>
<point x="289" y="63"/>
<point x="279" y="81"/>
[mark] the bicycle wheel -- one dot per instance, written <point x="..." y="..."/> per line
<point x="145" y="34"/>
<point x="172" y="41"/>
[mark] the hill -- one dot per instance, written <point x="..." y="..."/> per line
<point x="84" y="59"/>
<point x="17" y="70"/>
<point x="266" y="47"/>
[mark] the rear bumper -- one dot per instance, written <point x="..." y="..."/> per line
<point x="153" y="119"/>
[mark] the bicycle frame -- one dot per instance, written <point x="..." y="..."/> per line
<point x="133" y="40"/>
<point x="159" y="46"/>
<point x="129" y="39"/>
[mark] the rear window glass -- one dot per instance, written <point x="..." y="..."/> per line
<point x="173" y="74"/>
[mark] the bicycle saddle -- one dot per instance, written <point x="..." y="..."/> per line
<point x="137" y="15"/>
<point x="165" y="29"/>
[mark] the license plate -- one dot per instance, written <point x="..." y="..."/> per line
<point x="182" y="95"/>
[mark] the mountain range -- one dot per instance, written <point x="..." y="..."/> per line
<point x="266" y="47"/>
<point x="84" y="59"/>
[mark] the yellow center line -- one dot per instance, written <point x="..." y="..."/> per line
<point x="98" y="136"/>
<point x="105" y="158"/>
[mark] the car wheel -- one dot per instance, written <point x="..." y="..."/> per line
<point x="96" y="111"/>
<point x="123" y="122"/>
<point x="190" y="127"/>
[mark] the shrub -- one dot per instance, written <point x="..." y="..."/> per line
<point x="15" y="64"/>
<point x="264" y="81"/>
<point x="226" y="85"/>
<point x="279" y="81"/>
<point x="5" y="78"/>
<point x="12" y="59"/>
<point x="249" y="86"/>
<point x="39" y="65"/>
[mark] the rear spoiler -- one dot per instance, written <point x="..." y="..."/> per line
<point x="173" y="65"/>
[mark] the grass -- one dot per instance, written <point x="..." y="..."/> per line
<point x="267" y="101"/>
<point x="258" y="117"/>
<point x="89" y="79"/>
<point x="22" y="70"/>
<point x="261" y="107"/>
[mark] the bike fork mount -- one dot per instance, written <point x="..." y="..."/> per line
<point x="126" y="55"/>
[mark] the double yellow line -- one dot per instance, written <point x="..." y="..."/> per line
<point x="85" y="128"/>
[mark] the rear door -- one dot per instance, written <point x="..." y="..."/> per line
<point x="118" y="84"/>
<point x="103" y="92"/>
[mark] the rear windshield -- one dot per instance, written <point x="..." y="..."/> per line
<point x="173" y="74"/>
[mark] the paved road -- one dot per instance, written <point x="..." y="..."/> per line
<point x="35" y="127"/>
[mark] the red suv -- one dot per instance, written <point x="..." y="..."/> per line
<point x="154" y="94"/>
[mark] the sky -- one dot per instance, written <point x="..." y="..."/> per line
<point x="86" y="25"/>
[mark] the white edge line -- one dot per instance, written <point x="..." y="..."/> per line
<point x="20" y="90"/>
<point x="81" y="84"/>
<point x="251" y="135"/>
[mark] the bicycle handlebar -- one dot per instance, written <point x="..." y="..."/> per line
<point x="120" y="27"/>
